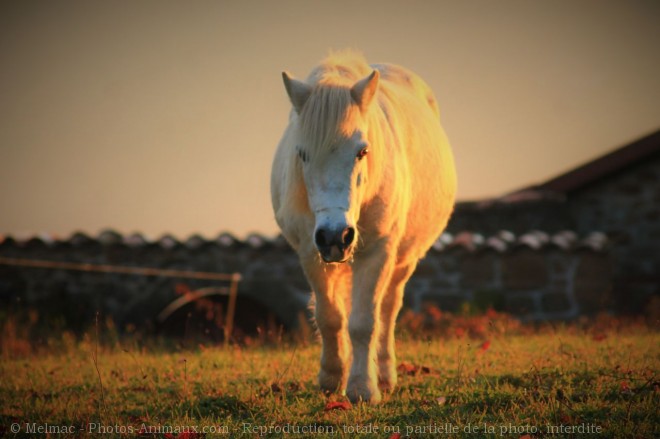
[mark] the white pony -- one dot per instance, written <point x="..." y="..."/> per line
<point x="362" y="184"/>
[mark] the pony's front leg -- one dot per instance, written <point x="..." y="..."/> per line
<point x="390" y="307"/>
<point x="370" y="278"/>
<point x="331" y="321"/>
<point x="330" y="315"/>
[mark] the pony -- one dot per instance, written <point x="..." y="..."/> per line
<point x="362" y="183"/>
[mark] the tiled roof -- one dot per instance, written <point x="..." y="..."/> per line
<point x="470" y="241"/>
<point x="613" y="162"/>
<point x="556" y="189"/>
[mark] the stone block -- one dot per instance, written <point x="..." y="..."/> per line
<point x="524" y="269"/>
<point x="520" y="305"/>
<point x="478" y="270"/>
<point x="593" y="282"/>
<point x="446" y="281"/>
<point x="450" y="302"/>
<point x="555" y="302"/>
<point x="445" y="262"/>
<point x="486" y="299"/>
<point x="415" y="287"/>
<point x="427" y="268"/>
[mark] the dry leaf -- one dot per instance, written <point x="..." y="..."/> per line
<point x="406" y="368"/>
<point x="337" y="405"/>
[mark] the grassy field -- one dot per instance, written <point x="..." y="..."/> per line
<point x="553" y="383"/>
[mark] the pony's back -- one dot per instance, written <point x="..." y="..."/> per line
<point x="406" y="78"/>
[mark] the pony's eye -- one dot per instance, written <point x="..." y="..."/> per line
<point x="302" y="154"/>
<point x="362" y="153"/>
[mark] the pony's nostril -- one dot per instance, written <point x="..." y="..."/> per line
<point x="321" y="238"/>
<point x="347" y="236"/>
<point x="342" y="239"/>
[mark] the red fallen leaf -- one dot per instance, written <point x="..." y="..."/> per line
<point x="525" y="436"/>
<point x="565" y="419"/>
<point x="625" y="388"/>
<point x="188" y="435"/>
<point x="395" y="436"/>
<point x="491" y="313"/>
<point x="277" y="388"/>
<point x="434" y="313"/>
<point x="406" y="368"/>
<point x="485" y="346"/>
<point x="599" y="337"/>
<point x="337" y="405"/>
<point x="295" y="386"/>
<point x="139" y="389"/>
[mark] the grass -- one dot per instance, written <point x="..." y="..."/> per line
<point x="555" y="383"/>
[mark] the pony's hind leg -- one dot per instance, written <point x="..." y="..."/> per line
<point x="389" y="310"/>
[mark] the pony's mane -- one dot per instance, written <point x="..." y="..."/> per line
<point x="323" y="117"/>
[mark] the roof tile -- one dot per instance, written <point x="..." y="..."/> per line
<point x="502" y="241"/>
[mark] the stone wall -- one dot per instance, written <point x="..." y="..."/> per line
<point x="135" y="300"/>
<point x="535" y="275"/>
<point x="624" y="205"/>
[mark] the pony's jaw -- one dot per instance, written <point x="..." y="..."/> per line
<point x="336" y="255"/>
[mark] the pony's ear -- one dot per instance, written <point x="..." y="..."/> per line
<point x="298" y="91"/>
<point x="364" y="90"/>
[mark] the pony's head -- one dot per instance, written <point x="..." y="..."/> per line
<point x="333" y="151"/>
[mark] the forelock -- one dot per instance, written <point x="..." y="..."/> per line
<point x="324" y="117"/>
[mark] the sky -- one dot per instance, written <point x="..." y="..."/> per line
<point x="163" y="116"/>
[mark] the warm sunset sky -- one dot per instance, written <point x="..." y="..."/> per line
<point x="163" y="116"/>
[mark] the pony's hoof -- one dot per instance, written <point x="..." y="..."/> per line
<point x="387" y="378"/>
<point x="331" y="383"/>
<point x="386" y="385"/>
<point x="363" y="393"/>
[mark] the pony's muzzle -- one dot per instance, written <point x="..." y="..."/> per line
<point x="334" y="245"/>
